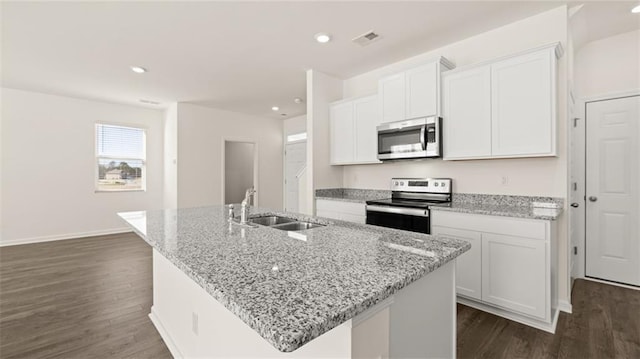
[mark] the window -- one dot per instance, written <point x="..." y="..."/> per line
<point x="297" y="137"/>
<point x="120" y="158"/>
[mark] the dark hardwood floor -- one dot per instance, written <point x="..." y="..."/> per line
<point x="78" y="298"/>
<point x="89" y="298"/>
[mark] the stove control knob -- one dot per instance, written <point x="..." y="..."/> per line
<point x="437" y="184"/>
<point x="402" y="183"/>
<point x="395" y="183"/>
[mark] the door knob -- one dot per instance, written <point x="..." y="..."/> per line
<point x="593" y="198"/>
<point x="575" y="205"/>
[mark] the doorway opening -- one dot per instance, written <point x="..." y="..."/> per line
<point x="240" y="170"/>
<point x="295" y="165"/>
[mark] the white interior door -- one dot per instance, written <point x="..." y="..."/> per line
<point x="612" y="243"/>
<point x="295" y="160"/>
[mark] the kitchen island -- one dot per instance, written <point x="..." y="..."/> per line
<point x="338" y="290"/>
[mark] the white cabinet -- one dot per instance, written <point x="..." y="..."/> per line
<point x="523" y="105"/>
<point x="342" y="210"/>
<point x="503" y="108"/>
<point x="414" y="93"/>
<point x="421" y="90"/>
<point x="366" y="118"/>
<point x="469" y="264"/>
<point x="342" y="130"/>
<point x="392" y="101"/>
<point x="353" y="138"/>
<point x="514" y="273"/>
<point x="467" y="114"/>
<point x="508" y="270"/>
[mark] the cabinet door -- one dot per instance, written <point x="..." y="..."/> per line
<point x="514" y="272"/>
<point x="341" y="136"/>
<point x="366" y="117"/>
<point x="523" y="105"/>
<point x="421" y="91"/>
<point x="467" y="114"/>
<point x="469" y="264"/>
<point x="392" y="98"/>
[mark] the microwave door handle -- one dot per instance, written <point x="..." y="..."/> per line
<point x="422" y="139"/>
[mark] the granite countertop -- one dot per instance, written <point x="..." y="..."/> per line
<point x="505" y="206"/>
<point x="292" y="290"/>
<point x="351" y="194"/>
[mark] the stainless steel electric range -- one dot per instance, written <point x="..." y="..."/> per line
<point x="408" y="207"/>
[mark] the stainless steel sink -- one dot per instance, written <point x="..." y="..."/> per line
<point x="297" y="226"/>
<point x="270" y="220"/>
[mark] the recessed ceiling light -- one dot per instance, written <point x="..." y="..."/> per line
<point x="297" y="100"/>
<point x="275" y="108"/>
<point x="138" y="69"/>
<point x="636" y="9"/>
<point x="322" y="38"/>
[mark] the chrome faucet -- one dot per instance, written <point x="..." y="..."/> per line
<point x="244" y="210"/>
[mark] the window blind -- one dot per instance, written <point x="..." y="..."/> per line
<point x="120" y="142"/>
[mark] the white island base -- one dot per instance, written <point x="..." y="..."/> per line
<point x="418" y="321"/>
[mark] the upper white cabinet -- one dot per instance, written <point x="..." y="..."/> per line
<point x="413" y="93"/>
<point x="342" y="130"/>
<point x="523" y="103"/>
<point x="504" y="108"/>
<point x="353" y="131"/>
<point x="467" y="113"/>
<point x="391" y="91"/>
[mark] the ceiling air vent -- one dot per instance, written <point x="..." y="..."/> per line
<point x="367" y="38"/>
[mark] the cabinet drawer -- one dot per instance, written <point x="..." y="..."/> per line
<point x="519" y="227"/>
<point x="341" y="207"/>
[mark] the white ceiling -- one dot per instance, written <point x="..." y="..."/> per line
<point x="239" y="56"/>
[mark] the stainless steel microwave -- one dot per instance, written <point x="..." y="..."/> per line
<point x="411" y="139"/>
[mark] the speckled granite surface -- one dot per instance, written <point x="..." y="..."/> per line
<point x="289" y="290"/>
<point x="351" y="194"/>
<point x="506" y="206"/>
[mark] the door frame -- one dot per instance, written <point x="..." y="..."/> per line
<point x="256" y="184"/>
<point x="582" y="242"/>
<point x="284" y="167"/>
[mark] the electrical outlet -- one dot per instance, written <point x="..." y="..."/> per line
<point x="504" y="180"/>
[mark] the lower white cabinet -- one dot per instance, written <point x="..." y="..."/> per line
<point x="509" y="269"/>
<point x="514" y="273"/>
<point x="342" y="210"/>
<point x="468" y="265"/>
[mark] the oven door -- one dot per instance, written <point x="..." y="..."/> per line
<point x="408" y="219"/>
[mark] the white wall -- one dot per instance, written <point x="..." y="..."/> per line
<point x="294" y="125"/>
<point x="171" y="156"/>
<point x="609" y="65"/>
<point x="322" y="89"/>
<point x="48" y="167"/>
<point x="201" y="134"/>
<point x="238" y="170"/>
<point x="538" y="176"/>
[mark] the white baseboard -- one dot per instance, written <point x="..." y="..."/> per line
<point x="171" y="345"/>
<point x="611" y="283"/>
<point x="538" y="324"/>
<point x="58" y="237"/>
<point x="565" y="306"/>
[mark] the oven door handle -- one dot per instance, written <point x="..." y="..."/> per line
<point x="399" y="210"/>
